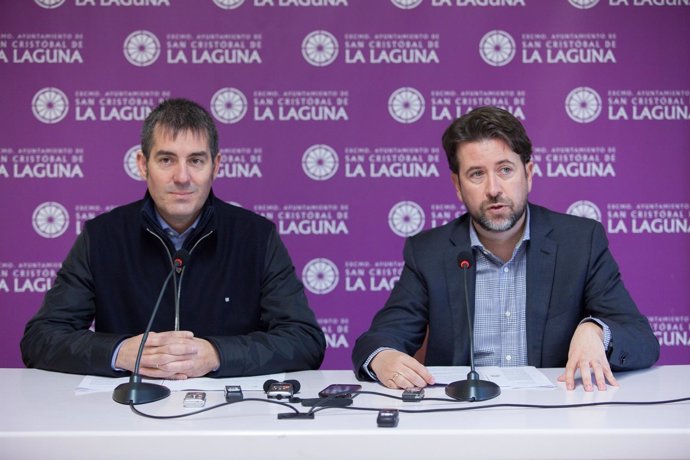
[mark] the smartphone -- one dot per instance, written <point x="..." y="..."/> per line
<point x="343" y="390"/>
<point x="194" y="399"/>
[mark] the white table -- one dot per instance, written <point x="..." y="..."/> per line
<point x="42" y="418"/>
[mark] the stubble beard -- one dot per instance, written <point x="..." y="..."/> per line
<point x="502" y="224"/>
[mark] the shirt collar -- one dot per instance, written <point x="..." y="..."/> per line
<point x="171" y="231"/>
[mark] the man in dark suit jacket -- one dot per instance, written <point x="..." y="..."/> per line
<point x="241" y="310"/>
<point x="552" y="270"/>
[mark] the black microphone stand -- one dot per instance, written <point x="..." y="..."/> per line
<point x="135" y="391"/>
<point x="473" y="389"/>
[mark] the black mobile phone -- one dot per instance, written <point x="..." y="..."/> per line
<point x="233" y="393"/>
<point x="387" y="418"/>
<point x="342" y="390"/>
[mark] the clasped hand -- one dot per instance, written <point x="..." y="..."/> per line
<point x="169" y="355"/>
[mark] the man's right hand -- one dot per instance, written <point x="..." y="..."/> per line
<point x="397" y="370"/>
<point x="160" y="351"/>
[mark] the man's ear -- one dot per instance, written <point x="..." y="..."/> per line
<point x="141" y="165"/>
<point x="216" y="165"/>
<point x="456" y="184"/>
<point x="529" y="171"/>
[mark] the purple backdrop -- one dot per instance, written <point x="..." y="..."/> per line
<point x="330" y="114"/>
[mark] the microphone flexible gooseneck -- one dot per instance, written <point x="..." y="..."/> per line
<point x="135" y="391"/>
<point x="472" y="389"/>
<point x="178" y="269"/>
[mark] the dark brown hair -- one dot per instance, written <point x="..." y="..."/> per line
<point x="484" y="123"/>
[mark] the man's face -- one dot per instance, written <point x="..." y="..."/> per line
<point x="178" y="173"/>
<point x="493" y="184"/>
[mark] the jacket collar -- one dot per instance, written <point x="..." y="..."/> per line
<point x="205" y="218"/>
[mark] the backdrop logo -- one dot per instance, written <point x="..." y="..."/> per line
<point x="406" y="218"/>
<point x="583" y="105"/>
<point x="584" y="208"/>
<point x="649" y="104"/>
<point x="50" y="219"/>
<point x="320" y="162"/>
<point x="671" y="330"/>
<point x="392" y="48"/>
<point x="575" y="161"/>
<point x="229" y="105"/>
<point x="320" y="276"/>
<point x="569" y="48"/>
<point x="240" y="162"/>
<point x="448" y="104"/>
<point x="301" y="105"/>
<point x="320" y="48"/>
<point x="583" y="4"/>
<point x="142" y="48"/>
<point x="397" y="162"/>
<point x="228" y="4"/>
<point x="49" y="3"/>
<point x="50" y="105"/>
<point x="497" y="48"/>
<point x="406" y="4"/>
<point x="652" y="218"/>
<point x="367" y="276"/>
<point x="313" y="219"/>
<point x="45" y="163"/>
<point x="406" y="105"/>
<point x="130" y="163"/>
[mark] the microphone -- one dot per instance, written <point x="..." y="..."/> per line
<point x="135" y="391"/>
<point x="472" y="389"/>
<point x="179" y="264"/>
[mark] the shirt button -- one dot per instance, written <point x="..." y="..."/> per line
<point x="507" y="313"/>
<point x="508" y="357"/>
<point x="506" y="269"/>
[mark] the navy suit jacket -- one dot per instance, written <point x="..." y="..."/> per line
<point x="571" y="275"/>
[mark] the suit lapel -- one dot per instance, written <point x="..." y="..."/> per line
<point x="541" y="263"/>
<point x="460" y="241"/>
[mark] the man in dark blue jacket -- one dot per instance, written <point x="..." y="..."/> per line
<point x="241" y="309"/>
<point x="545" y="290"/>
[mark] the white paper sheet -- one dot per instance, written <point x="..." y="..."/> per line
<point x="504" y="377"/>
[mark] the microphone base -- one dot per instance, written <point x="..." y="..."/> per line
<point x="139" y="393"/>
<point x="473" y="390"/>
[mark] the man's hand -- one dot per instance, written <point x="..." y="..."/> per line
<point x="398" y="370"/>
<point x="587" y="354"/>
<point x="169" y="355"/>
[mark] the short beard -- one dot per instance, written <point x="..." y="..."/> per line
<point x="503" y="225"/>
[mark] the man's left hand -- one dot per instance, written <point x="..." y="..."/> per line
<point x="199" y="364"/>
<point x="169" y="355"/>
<point x="587" y="354"/>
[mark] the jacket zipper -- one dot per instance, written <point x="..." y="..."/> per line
<point x="178" y="286"/>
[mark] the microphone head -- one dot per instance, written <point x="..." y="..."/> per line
<point x="180" y="258"/>
<point x="465" y="260"/>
